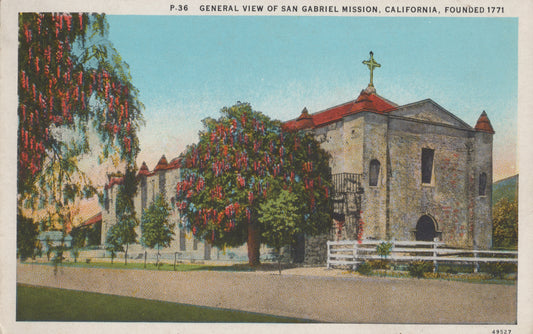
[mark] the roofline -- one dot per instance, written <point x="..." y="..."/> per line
<point x="323" y="110"/>
<point x="416" y="120"/>
<point x="387" y="100"/>
<point x="507" y="178"/>
<point x="438" y="106"/>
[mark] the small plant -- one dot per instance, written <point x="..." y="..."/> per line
<point x="419" y="268"/>
<point x="87" y="261"/>
<point x="384" y="249"/>
<point x="364" y="269"/>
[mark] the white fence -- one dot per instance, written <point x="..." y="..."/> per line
<point x="352" y="253"/>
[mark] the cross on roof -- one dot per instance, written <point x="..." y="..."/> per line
<point x="371" y="63"/>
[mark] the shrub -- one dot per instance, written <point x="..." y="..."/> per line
<point x="364" y="268"/>
<point x="500" y="269"/>
<point x="418" y="268"/>
<point x="451" y="271"/>
<point x="379" y="264"/>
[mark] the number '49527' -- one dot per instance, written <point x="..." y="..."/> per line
<point x="501" y="331"/>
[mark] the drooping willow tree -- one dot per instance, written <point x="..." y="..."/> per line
<point x="74" y="90"/>
<point x="242" y="159"/>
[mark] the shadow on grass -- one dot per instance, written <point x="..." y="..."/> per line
<point x="52" y="304"/>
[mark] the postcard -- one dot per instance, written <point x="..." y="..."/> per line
<point x="190" y="166"/>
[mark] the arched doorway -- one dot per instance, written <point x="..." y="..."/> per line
<point x="426" y="229"/>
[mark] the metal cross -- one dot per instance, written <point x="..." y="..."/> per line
<point x="371" y="63"/>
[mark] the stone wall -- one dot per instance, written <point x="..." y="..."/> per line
<point x="483" y="203"/>
<point x="446" y="198"/>
<point x="374" y="204"/>
<point x="316" y="250"/>
<point x="392" y="208"/>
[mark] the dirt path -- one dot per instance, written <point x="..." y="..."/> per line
<point x="314" y="293"/>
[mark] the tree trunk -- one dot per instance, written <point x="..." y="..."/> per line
<point x="279" y="260"/>
<point x="254" y="243"/>
<point x="126" y="256"/>
<point x="157" y="261"/>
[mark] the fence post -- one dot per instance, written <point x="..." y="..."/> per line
<point x="435" y="262"/>
<point x="329" y="254"/>
<point x="144" y="259"/>
<point x="355" y="255"/>
<point x="476" y="263"/>
<point x="175" y="254"/>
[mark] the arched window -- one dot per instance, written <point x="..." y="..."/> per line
<point x="374" y="173"/>
<point x="482" y="184"/>
<point x="427" y="165"/>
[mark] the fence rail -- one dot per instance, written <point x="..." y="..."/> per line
<point x="352" y="253"/>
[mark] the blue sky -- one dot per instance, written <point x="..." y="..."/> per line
<point x="188" y="67"/>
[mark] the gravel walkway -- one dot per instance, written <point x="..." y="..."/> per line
<point x="310" y="293"/>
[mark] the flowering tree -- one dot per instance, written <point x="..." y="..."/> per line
<point x="73" y="87"/>
<point x="240" y="160"/>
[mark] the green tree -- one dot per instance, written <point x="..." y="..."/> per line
<point x="113" y="243"/>
<point x="27" y="232"/>
<point x="280" y="221"/>
<point x="156" y="230"/>
<point x="73" y="87"/>
<point x="78" y="238"/>
<point x="505" y="224"/>
<point x="49" y="247"/>
<point x="125" y="211"/>
<point x="240" y="160"/>
<point x="78" y="241"/>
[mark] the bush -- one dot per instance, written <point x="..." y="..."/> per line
<point x="364" y="268"/>
<point x="419" y="268"/>
<point x="500" y="269"/>
<point x="379" y="264"/>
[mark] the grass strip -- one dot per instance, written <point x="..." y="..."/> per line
<point x="152" y="266"/>
<point x="52" y="304"/>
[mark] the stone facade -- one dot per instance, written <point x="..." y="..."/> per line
<point x="162" y="180"/>
<point x="424" y="173"/>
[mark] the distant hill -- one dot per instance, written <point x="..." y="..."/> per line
<point x="506" y="188"/>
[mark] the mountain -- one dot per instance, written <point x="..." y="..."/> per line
<point x="505" y="188"/>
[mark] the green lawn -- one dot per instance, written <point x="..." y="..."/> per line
<point x="51" y="304"/>
<point x="151" y="266"/>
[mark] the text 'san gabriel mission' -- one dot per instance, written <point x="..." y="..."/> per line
<point x="340" y="9"/>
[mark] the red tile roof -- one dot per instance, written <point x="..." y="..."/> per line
<point x="143" y="170"/>
<point x="367" y="101"/>
<point x="114" y="180"/>
<point x="174" y="163"/>
<point x="483" y="124"/>
<point x="162" y="164"/>
<point x="93" y="220"/>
